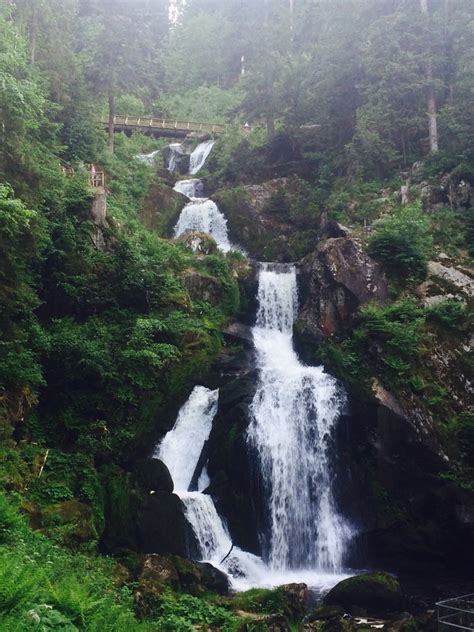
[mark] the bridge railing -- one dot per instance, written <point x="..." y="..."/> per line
<point x="456" y="614"/>
<point x="167" y="124"/>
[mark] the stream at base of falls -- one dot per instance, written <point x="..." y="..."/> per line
<point x="293" y="417"/>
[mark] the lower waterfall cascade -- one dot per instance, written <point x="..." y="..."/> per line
<point x="294" y="414"/>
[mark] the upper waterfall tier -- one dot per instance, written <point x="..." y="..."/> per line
<point x="199" y="156"/>
<point x="294" y="415"/>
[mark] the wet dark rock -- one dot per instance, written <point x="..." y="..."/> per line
<point x="161" y="208"/>
<point x="213" y="579"/>
<point x="326" y="612"/>
<point x="376" y="594"/>
<point x="240" y="332"/>
<point x="335" y="281"/>
<point x="182" y="158"/>
<point x="161" y="525"/>
<point x="153" y="475"/>
<point x="198" y="578"/>
<point x="233" y="467"/>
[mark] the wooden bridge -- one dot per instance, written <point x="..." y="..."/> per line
<point x="162" y="127"/>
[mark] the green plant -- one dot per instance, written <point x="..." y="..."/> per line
<point x="402" y="242"/>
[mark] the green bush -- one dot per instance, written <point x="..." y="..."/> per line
<point x="10" y="521"/>
<point x="449" y="313"/>
<point x="402" y="243"/>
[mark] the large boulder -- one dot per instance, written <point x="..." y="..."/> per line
<point x="335" y="281"/>
<point x="159" y="570"/>
<point x="236" y="485"/>
<point x="161" y="525"/>
<point x="153" y="475"/>
<point x="198" y="578"/>
<point x="161" y="207"/>
<point x="375" y="594"/>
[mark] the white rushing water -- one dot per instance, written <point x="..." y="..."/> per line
<point x="191" y="188"/>
<point x="202" y="215"/>
<point x="199" y="156"/>
<point x="180" y="451"/>
<point x="182" y="446"/>
<point x="148" y="159"/>
<point x="294" y="414"/>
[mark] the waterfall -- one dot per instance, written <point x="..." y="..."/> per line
<point x="190" y="188"/>
<point x="182" y="446"/>
<point x="294" y="414"/>
<point x="203" y="216"/>
<point x="148" y="159"/>
<point x="180" y="450"/>
<point x="199" y="156"/>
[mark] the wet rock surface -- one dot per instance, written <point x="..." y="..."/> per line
<point x="335" y="281"/>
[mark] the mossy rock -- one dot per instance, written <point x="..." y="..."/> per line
<point x="377" y="594"/>
<point x="200" y="578"/>
<point x="71" y="520"/>
<point x="288" y="601"/>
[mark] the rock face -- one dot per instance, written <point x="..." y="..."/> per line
<point x="180" y="157"/>
<point x="99" y="217"/>
<point x="202" y="287"/>
<point x="263" y="218"/>
<point x="375" y="594"/>
<point x="232" y="467"/>
<point x="446" y="282"/>
<point x="154" y="476"/>
<point x="335" y="281"/>
<point x="142" y="514"/>
<point x="161" y="208"/>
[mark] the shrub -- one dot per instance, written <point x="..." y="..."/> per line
<point x="402" y="243"/>
<point x="10" y="521"/>
<point x="449" y="313"/>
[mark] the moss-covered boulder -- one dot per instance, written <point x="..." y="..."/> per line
<point x="287" y="601"/>
<point x="199" y="243"/>
<point x="199" y="578"/>
<point x="160" y="570"/>
<point x="71" y="521"/>
<point x="161" y="208"/>
<point x="377" y="594"/>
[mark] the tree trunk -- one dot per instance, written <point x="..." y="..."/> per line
<point x="33" y="31"/>
<point x="431" y="99"/>
<point x="111" y="122"/>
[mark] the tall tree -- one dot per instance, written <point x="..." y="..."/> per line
<point x="431" y="97"/>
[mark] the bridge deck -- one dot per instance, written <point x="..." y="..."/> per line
<point x="163" y="127"/>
